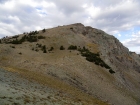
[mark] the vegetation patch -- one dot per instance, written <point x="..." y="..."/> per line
<point x="72" y="47"/>
<point x="62" y="48"/>
<point x="43" y="30"/>
<point x="41" y="37"/>
<point x="95" y="58"/>
<point x="51" y="49"/>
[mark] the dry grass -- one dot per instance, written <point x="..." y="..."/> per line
<point x="93" y="47"/>
<point x="54" y="83"/>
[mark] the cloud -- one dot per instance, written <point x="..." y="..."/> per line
<point x="112" y="16"/>
<point x="134" y="41"/>
<point x="115" y="17"/>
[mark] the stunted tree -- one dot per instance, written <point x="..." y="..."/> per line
<point x="43" y="30"/>
<point x="62" y="48"/>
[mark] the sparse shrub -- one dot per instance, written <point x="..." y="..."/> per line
<point x="71" y="28"/>
<point x="39" y="45"/>
<point x="41" y="37"/>
<point x="36" y="32"/>
<point x="62" y="48"/>
<point x="72" y="47"/>
<point x="111" y="71"/>
<point x="12" y="46"/>
<point x="32" y="38"/>
<point x="44" y="51"/>
<point x="43" y="30"/>
<point x="94" y="57"/>
<point x="16" y="42"/>
<point x="20" y="53"/>
<point x="15" y="36"/>
<point x="36" y="50"/>
<point x="33" y="33"/>
<point x="51" y="49"/>
<point x="14" y="104"/>
<point x="44" y="47"/>
<point x="23" y="39"/>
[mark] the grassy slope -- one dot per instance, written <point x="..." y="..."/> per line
<point x="36" y="65"/>
<point x="74" y="94"/>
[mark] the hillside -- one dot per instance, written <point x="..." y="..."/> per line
<point x="68" y="65"/>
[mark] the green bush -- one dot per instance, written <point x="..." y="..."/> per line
<point x="41" y="37"/>
<point x="51" y="49"/>
<point x="94" y="57"/>
<point x="44" y="51"/>
<point x="12" y="46"/>
<point x="111" y="71"/>
<point x="72" y="47"/>
<point x="15" y="36"/>
<point x="36" y="50"/>
<point x="16" y="42"/>
<point x="33" y="33"/>
<point x="20" y="53"/>
<point x="32" y="38"/>
<point x="43" y="47"/>
<point x="33" y="49"/>
<point x="43" y="30"/>
<point x="62" y="48"/>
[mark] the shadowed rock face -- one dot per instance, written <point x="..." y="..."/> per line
<point x="43" y="57"/>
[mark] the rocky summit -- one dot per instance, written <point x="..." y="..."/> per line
<point x="68" y="65"/>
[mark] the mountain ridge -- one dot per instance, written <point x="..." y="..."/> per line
<point x="46" y="52"/>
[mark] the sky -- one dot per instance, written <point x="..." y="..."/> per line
<point x="120" y="18"/>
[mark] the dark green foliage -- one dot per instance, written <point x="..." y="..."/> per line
<point x="83" y="50"/>
<point x="51" y="49"/>
<point x="12" y="46"/>
<point x="0" y="41"/>
<point x="93" y="57"/>
<point x="44" y="51"/>
<point x="41" y="37"/>
<point x="24" y="38"/>
<point x="43" y="30"/>
<point x="43" y="47"/>
<point x="39" y="45"/>
<point x="33" y="33"/>
<point x="36" y="50"/>
<point x="72" y="47"/>
<point x="15" y="36"/>
<point x="16" y="42"/>
<point x="32" y="48"/>
<point x="20" y="53"/>
<point x="62" y="48"/>
<point x="32" y="38"/>
<point x="111" y="71"/>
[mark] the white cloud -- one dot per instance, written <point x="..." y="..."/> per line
<point x="133" y="43"/>
<point x="112" y="16"/>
